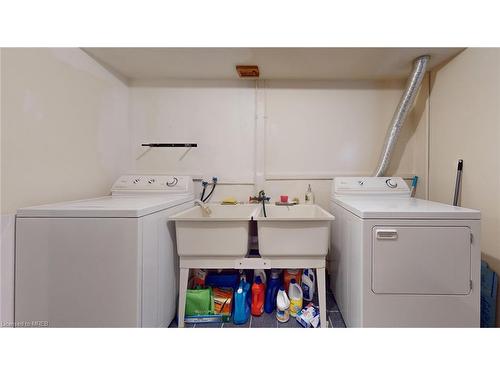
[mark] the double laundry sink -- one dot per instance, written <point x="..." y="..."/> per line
<point x="297" y="230"/>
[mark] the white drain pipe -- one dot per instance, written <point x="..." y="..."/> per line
<point x="399" y="117"/>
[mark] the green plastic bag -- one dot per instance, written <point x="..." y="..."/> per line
<point x="199" y="302"/>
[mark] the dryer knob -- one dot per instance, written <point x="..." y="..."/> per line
<point x="392" y="184"/>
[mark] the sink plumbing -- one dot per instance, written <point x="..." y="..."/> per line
<point x="205" y="184"/>
<point x="204" y="207"/>
<point x="262" y="198"/>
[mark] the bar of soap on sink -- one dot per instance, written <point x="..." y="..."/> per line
<point x="229" y="200"/>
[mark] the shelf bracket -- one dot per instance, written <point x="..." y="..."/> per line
<point x="170" y="145"/>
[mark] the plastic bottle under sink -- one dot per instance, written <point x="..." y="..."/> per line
<point x="289" y="274"/>
<point x="241" y="305"/>
<point x="282" y="306"/>
<point x="262" y="274"/>
<point x="296" y="297"/>
<point x="258" y="297"/>
<point x="272" y="289"/>
<point x="308" y="284"/>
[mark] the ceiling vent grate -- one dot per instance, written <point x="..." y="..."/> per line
<point x="248" y="71"/>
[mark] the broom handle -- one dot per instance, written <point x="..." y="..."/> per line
<point x="458" y="181"/>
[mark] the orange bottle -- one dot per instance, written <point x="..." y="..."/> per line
<point x="290" y="274"/>
<point x="258" y="297"/>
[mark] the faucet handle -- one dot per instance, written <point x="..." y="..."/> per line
<point x="262" y="196"/>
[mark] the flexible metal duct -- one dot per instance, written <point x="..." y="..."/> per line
<point x="399" y="117"/>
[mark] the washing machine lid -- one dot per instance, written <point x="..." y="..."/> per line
<point x="118" y="206"/>
<point x="403" y="208"/>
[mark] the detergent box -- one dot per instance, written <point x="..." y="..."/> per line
<point x="223" y="302"/>
<point x="309" y="316"/>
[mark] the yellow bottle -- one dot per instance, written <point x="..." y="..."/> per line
<point x="296" y="297"/>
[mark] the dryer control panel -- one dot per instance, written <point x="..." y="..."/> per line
<point x="370" y="186"/>
<point x="153" y="183"/>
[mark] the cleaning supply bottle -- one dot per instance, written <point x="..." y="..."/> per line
<point x="243" y="275"/>
<point x="258" y="297"/>
<point x="295" y="295"/>
<point x="308" y="284"/>
<point x="282" y="306"/>
<point x="262" y="274"/>
<point x="288" y="275"/>
<point x="241" y="306"/>
<point x="309" y="196"/>
<point x="272" y="289"/>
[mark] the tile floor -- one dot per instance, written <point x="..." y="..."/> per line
<point x="335" y="319"/>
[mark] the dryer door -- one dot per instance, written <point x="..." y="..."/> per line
<point x="421" y="260"/>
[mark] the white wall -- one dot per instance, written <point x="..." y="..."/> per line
<point x="311" y="131"/>
<point x="64" y="135"/>
<point x="218" y="116"/>
<point x="465" y="124"/>
<point x="327" y="128"/>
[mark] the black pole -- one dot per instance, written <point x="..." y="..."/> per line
<point x="458" y="181"/>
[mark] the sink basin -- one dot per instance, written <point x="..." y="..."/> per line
<point x="222" y="233"/>
<point x="300" y="230"/>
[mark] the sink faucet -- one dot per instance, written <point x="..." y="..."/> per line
<point x="204" y="207"/>
<point x="263" y="198"/>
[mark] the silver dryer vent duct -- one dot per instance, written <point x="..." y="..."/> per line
<point x="399" y="117"/>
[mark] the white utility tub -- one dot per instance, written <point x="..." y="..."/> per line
<point x="298" y="230"/>
<point x="224" y="232"/>
<point x="290" y="237"/>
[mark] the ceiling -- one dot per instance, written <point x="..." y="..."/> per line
<point x="146" y="64"/>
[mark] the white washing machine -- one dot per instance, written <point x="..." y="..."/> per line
<point x="397" y="261"/>
<point x="103" y="262"/>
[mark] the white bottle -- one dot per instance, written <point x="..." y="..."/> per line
<point x="308" y="284"/>
<point x="262" y="274"/>
<point x="296" y="297"/>
<point x="309" y="196"/>
<point x="282" y="306"/>
<point x="243" y="275"/>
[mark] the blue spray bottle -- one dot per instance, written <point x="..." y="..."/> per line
<point x="241" y="306"/>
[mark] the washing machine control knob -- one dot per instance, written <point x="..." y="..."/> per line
<point x="392" y="184"/>
<point x="174" y="182"/>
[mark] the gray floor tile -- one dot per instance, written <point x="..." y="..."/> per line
<point x="292" y="323"/>
<point x="175" y="325"/>
<point x="331" y="304"/>
<point x="232" y="325"/>
<point x="264" y="321"/>
<point x="336" y="319"/>
<point x="208" y="325"/>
